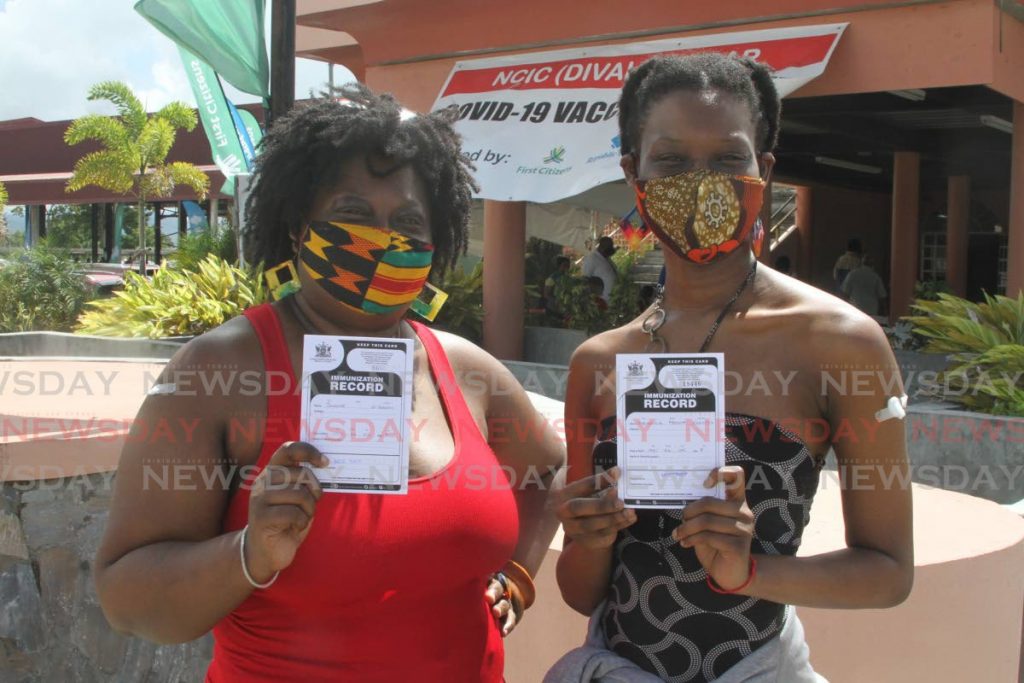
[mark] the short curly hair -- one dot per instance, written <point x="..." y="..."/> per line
<point x="742" y="77"/>
<point x="303" y="151"/>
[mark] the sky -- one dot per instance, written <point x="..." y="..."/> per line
<point x="52" y="51"/>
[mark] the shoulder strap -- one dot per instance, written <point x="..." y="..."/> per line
<point x="280" y="381"/>
<point x="463" y="423"/>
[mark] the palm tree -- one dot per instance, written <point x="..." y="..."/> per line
<point x="134" y="155"/>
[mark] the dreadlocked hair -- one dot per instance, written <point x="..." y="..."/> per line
<point x="741" y="77"/>
<point x="303" y="151"/>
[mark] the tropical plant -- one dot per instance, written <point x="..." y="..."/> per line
<point x="929" y="290"/>
<point x="985" y="342"/>
<point x="3" y="198"/>
<point x="175" y="302"/>
<point x="133" y="159"/>
<point x="463" y="313"/>
<point x="40" y="290"/>
<point x="578" y="303"/>
<point x="955" y="325"/>
<point x="196" y="246"/>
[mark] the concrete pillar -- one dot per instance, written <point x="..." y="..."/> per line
<point x="958" y="205"/>
<point x="904" y="256"/>
<point x="804" y="216"/>
<point x="214" y="212"/>
<point x="504" y="278"/>
<point x="1015" y="245"/>
<point x="35" y="227"/>
<point x="94" y="232"/>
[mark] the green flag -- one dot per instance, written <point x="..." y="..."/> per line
<point x="216" y="117"/>
<point x="227" y="34"/>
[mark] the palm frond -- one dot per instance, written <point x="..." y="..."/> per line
<point x="110" y="132"/>
<point x="129" y="108"/>
<point x="179" y="115"/>
<point x="107" y="169"/>
<point x="184" y="173"/>
<point x="155" y="141"/>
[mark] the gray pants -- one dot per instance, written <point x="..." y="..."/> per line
<point x="784" y="659"/>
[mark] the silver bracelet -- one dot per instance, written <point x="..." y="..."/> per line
<point x="245" y="570"/>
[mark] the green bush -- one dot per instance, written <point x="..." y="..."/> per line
<point x="40" y="290"/>
<point x="986" y="343"/>
<point x="196" y="246"/>
<point x="175" y="302"/>
<point x="463" y="312"/>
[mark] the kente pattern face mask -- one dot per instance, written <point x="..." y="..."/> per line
<point x="701" y="215"/>
<point x="372" y="270"/>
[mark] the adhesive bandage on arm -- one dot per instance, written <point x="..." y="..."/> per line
<point x="895" y="407"/>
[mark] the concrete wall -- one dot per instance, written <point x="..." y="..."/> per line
<point x="51" y="624"/>
<point x="81" y="345"/>
<point x="541" y="378"/>
<point x="957" y="450"/>
<point x="551" y="345"/>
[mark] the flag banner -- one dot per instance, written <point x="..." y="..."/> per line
<point x="543" y="126"/>
<point x="226" y="34"/>
<point x="249" y="133"/>
<point x="218" y="122"/>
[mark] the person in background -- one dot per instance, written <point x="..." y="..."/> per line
<point x="553" y="286"/>
<point x="864" y="288"/>
<point x="847" y="262"/>
<point x="783" y="265"/>
<point x="598" y="264"/>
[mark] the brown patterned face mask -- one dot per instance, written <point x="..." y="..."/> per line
<point x="702" y="215"/>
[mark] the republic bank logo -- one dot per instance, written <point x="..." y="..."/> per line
<point x="556" y="156"/>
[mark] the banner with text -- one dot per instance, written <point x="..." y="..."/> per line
<point x="544" y="126"/>
<point x="230" y="143"/>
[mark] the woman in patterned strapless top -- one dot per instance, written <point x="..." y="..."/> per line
<point x="701" y="593"/>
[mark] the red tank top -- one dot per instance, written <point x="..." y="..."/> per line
<point x="384" y="588"/>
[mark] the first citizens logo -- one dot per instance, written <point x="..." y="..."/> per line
<point x="555" y="156"/>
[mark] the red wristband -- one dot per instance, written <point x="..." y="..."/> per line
<point x="730" y="591"/>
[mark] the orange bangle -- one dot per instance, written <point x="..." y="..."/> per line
<point x="730" y="591"/>
<point x="520" y="582"/>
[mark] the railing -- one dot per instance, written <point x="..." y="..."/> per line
<point x="780" y="226"/>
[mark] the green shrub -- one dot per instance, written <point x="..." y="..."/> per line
<point x="41" y="290"/>
<point x="196" y="246"/>
<point x="175" y="302"/>
<point x="463" y="312"/>
<point x="986" y="343"/>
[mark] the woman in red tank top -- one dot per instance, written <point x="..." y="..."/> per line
<point x="299" y="584"/>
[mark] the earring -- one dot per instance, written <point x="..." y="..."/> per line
<point x="282" y="280"/>
<point x="758" y="238"/>
<point x="428" y="309"/>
